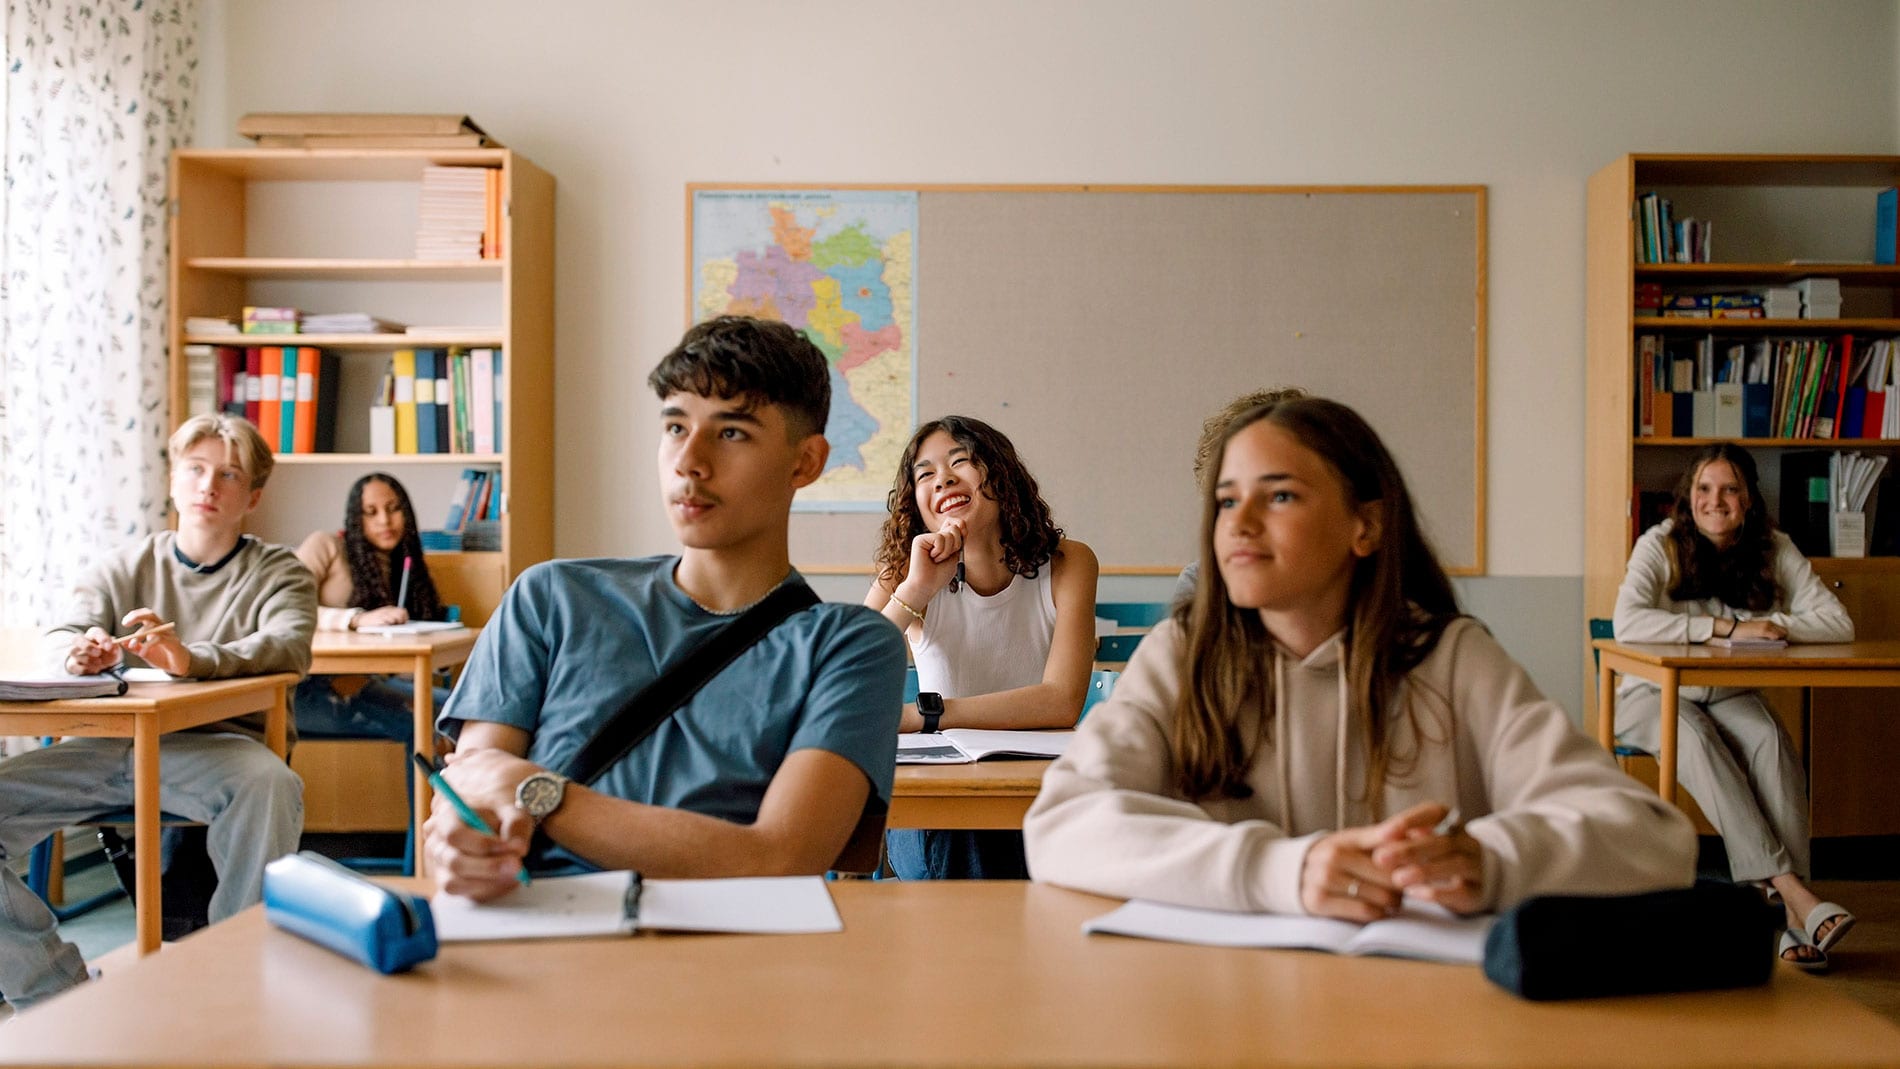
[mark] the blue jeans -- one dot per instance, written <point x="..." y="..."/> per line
<point x="383" y="709"/>
<point x="250" y="798"/>
<point x="956" y="855"/>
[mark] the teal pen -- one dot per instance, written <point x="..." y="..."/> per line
<point x="469" y="816"/>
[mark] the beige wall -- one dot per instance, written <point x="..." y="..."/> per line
<point x="626" y="102"/>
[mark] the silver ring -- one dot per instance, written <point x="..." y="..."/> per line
<point x="1352" y="889"/>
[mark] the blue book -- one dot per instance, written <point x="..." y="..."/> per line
<point x="287" y="403"/>
<point x="1886" y="225"/>
<point x="499" y="407"/>
<point x="426" y="402"/>
<point x="1854" y="413"/>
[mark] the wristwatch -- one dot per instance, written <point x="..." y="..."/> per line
<point x="541" y="794"/>
<point x="930" y="704"/>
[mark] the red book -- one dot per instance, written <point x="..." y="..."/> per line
<point x="1876" y="412"/>
<point x="230" y="367"/>
<point x="253" y="384"/>
<point x="309" y="383"/>
<point x="1847" y="365"/>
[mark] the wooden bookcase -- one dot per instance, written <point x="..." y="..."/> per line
<point x="335" y="231"/>
<point x="1767" y="211"/>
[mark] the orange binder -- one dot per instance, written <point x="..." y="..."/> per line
<point x="309" y="382"/>
<point x="270" y="414"/>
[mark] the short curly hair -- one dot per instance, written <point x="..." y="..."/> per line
<point x="1216" y="425"/>
<point x="1029" y="534"/>
<point x="762" y="361"/>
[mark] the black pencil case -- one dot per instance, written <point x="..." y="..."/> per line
<point x="1717" y="935"/>
<point x="310" y="895"/>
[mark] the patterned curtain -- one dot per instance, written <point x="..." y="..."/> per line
<point x="95" y="96"/>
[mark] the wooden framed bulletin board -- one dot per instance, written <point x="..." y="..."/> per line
<point x="1098" y="326"/>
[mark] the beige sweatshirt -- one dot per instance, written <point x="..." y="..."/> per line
<point x="1550" y="808"/>
<point x="253" y="615"/>
<point x="322" y="553"/>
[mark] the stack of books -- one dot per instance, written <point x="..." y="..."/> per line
<point x="455" y="209"/>
<point x="318" y="130"/>
<point x="474" y="519"/>
<point x="288" y="391"/>
<point x="1663" y="239"/>
<point x="1820" y="298"/>
<point x="210" y="325"/>
<point x="440" y="401"/>
<point x="258" y="320"/>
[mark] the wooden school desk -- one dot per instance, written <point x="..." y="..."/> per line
<point x="936" y="973"/>
<point x="986" y="795"/>
<point x="1671" y="667"/>
<point x="347" y="653"/>
<point x="143" y="713"/>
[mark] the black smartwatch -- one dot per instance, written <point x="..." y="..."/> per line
<point x="930" y="704"/>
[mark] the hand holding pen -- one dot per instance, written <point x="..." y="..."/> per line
<point x="467" y="855"/>
<point x="156" y="641"/>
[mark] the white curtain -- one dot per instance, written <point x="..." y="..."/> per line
<point x="96" y="95"/>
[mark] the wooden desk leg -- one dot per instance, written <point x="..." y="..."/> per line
<point x="277" y="723"/>
<point x="1666" y="757"/>
<point x="1606" y="707"/>
<point x="424" y="727"/>
<point x="145" y="842"/>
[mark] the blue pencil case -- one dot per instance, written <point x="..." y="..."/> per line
<point x="310" y="895"/>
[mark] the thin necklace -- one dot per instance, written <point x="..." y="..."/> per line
<point x="734" y="612"/>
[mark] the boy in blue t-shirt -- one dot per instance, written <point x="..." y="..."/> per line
<point x="770" y="767"/>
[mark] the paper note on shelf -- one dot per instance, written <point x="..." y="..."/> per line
<point x="413" y="627"/>
<point x="614" y="903"/>
<point x="1425" y="932"/>
<point x="961" y="746"/>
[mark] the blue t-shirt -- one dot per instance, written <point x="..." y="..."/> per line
<point x="574" y="639"/>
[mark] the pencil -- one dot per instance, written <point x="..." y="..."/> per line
<point x="462" y="809"/>
<point x="155" y="629"/>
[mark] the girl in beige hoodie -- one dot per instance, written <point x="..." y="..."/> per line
<point x="1304" y="736"/>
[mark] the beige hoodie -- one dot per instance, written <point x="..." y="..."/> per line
<point x="1550" y="808"/>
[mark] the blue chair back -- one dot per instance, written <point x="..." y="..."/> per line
<point x="1116" y="649"/>
<point x="910" y="685"/>
<point x="1101" y="685"/>
<point x="1132" y="613"/>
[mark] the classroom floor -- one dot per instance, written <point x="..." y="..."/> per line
<point x="1866" y="968"/>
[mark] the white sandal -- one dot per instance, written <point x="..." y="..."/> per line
<point x="1820" y="915"/>
<point x="1795" y="937"/>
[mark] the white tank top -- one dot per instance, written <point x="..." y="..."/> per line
<point x="975" y="645"/>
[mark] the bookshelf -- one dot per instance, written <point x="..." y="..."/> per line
<point x="334" y="230"/>
<point x="1768" y="210"/>
<point x="331" y="230"/>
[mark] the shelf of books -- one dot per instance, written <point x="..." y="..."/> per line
<point x="1755" y="300"/>
<point x="378" y="310"/>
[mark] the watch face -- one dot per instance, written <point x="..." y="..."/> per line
<point x="539" y="794"/>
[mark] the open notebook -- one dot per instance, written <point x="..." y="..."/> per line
<point x="1730" y="642"/>
<point x="1422" y="931"/>
<point x="961" y="746"/>
<point x="621" y="903"/>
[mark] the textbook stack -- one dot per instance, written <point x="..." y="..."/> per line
<point x="460" y="214"/>
<point x="209" y="325"/>
<point x="348" y="323"/>
<point x="1820" y="298"/>
<point x="440" y="401"/>
<point x="337" y="130"/>
<point x="259" y="320"/>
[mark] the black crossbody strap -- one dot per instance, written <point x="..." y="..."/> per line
<point x="643" y="713"/>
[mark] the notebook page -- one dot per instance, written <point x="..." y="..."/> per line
<point x="758" y="904"/>
<point x="553" y="907"/>
<point x="1212" y="927"/>
<point x="1426" y="932"/>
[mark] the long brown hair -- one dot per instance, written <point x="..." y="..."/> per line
<point x="1399" y="605"/>
<point x="373" y="572"/>
<point x="1743" y="575"/>
<point x="1029" y="533"/>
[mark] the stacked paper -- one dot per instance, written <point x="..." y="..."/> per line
<point x="1820" y="298"/>
<point x="348" y="323"/>
<point x="454" y="213"/>
<point x="1781" y="302"/>
<point x="210" y="325"/>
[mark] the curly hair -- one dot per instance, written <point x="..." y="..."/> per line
<point x="1743" y="574"/>
<point x="1029" y="533"/>
<point x="371" y="570"/>
<point x="763" y="361"/>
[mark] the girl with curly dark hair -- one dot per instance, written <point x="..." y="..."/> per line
<point x="359" y="574"/>
<point x="998" y="606"/>
<point x="1718" y="570"/>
